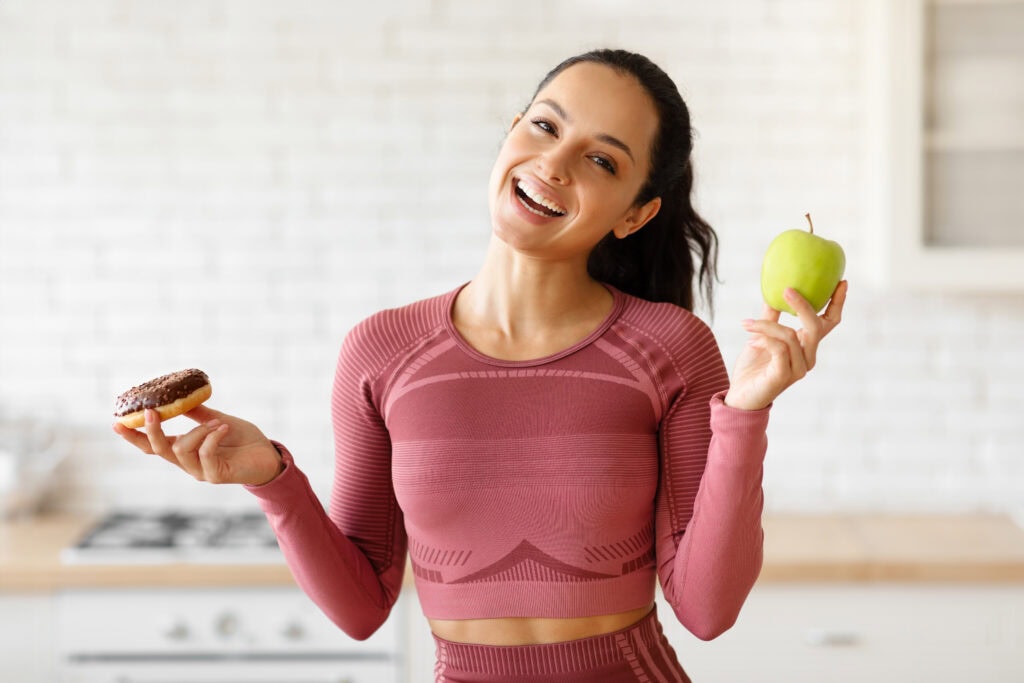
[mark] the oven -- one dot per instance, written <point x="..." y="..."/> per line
<point x="272" y="634"/>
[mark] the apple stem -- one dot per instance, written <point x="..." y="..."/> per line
<point x="810" y="221"/>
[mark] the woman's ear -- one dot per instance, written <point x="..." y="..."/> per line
<point x="637" y="217"/>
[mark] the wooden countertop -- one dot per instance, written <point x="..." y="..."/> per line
<point x="916" y="548"/>
<point x="798" y="548"/>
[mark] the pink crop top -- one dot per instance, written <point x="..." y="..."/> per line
<point x="556" y="487"/>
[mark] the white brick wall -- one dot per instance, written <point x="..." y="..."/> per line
<point x="232" y="184"/>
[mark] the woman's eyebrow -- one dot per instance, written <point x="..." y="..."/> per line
<point x="603" y="137"/>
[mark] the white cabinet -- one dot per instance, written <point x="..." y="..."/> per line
<point x="944" y="140"/>
<point x="206" y="635"/>
<point x="27" y="653"/>
<point x="193" y="630"/>
<point x="826" y="633"/>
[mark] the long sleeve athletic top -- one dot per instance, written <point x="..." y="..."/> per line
<point x="555" y="487"/>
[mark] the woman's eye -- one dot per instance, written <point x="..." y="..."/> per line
<point x="544" y="125"/>
<point x="604" y="163"/>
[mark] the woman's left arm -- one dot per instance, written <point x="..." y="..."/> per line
<point x="709" y="535"/>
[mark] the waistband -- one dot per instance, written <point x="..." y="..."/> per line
<point x="595" y="652"/>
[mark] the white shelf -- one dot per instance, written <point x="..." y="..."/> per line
<point x="977" y="2"/>
<point x="993" y="141"/>
<point x="899" y="147"/>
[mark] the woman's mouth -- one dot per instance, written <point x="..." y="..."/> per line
<point x="535" y="201"/>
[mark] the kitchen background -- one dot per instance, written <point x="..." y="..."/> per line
<point x="231" y="185"/>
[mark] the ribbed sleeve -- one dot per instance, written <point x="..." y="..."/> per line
<point x="331" y="568"/>
<point x="351" y="560"/>
<point x="708" y="511"/>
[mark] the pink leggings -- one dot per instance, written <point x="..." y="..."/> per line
<point x="636" y="653"/>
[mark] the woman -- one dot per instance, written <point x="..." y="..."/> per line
<point x="551" y="438"/>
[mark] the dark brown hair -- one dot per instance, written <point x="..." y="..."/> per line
<point x="676" y="252"/>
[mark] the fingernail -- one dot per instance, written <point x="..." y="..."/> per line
<point x="213" y="423"/>
<point x="747" y="322"/>
<point x="789" y="293"/>
<point x="150" y="416"/>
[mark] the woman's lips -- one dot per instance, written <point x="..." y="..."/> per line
<point x="535" y="200"/>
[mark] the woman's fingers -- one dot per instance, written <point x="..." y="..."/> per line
<point x="834" y="312"/>
<point x="788" y="342"/>
<point x="812" y="326"/>
<point x="186" y="448"/>
<point x="802" y="307"/>
<point x="182" y="451"/>
<point x="785" y="366"/>
<point x="152" y="439"/>
<point x="134" y="437"/>
<point x="770" y="314"/>
<point x="203" y="413"/>
<point x="195" y="451"/>
<point x="158" y="441"/>
<point x="784" y="355"/>
<point x="213" y="468"/>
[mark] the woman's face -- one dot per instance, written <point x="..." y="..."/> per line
<point x="573" y="163"/>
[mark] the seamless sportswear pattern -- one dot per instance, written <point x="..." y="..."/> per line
<point x="557" y="487"/>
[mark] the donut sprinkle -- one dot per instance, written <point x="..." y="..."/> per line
<point x="160" y="391"/>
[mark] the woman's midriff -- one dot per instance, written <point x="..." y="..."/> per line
<point x="531" y="630"/>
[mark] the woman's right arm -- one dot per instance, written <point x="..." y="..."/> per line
<point x="329" y="565"/>
<point x="350" y="561"/>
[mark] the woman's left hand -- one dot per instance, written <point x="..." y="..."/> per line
<point x="777" y="356"/>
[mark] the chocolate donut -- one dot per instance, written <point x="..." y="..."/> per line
<point x="170" y="395"/>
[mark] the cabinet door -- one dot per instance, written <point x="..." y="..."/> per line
<point x="945" y="142"/>
<point x="850" y="633"/>
<point x="298" y="672"/>
<point x="26" y="637"/>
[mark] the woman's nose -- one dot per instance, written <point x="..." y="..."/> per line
<point x="553" y="165"/>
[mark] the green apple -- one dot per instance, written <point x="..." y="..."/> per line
<point x="804" y="261"/>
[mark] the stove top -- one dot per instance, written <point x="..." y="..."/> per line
<point x="194" y="536"/>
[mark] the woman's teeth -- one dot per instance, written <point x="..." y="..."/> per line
<point x="537" y="203"/>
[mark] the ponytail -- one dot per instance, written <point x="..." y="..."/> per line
<point x="667" y="259"/>
<point x="676" y="252"/>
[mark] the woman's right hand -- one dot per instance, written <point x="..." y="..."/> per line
<point x="221" y="450"/>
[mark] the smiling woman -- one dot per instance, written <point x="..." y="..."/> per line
<point x="549" y="441"/>
<point x="567" y="174"/>
<point x="659" y="263"/>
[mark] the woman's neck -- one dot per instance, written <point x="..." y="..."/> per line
<point x="521" y="306"/>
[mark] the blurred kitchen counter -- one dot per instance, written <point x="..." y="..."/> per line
<point x="798" y="548"/>
<point x="893" y="548"/>
<point x="30" y="561"/>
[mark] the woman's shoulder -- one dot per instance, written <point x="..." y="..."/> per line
<point x="662" y="319"/>
<point x="672" y="339"/>
<point x="396" y="327"/>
